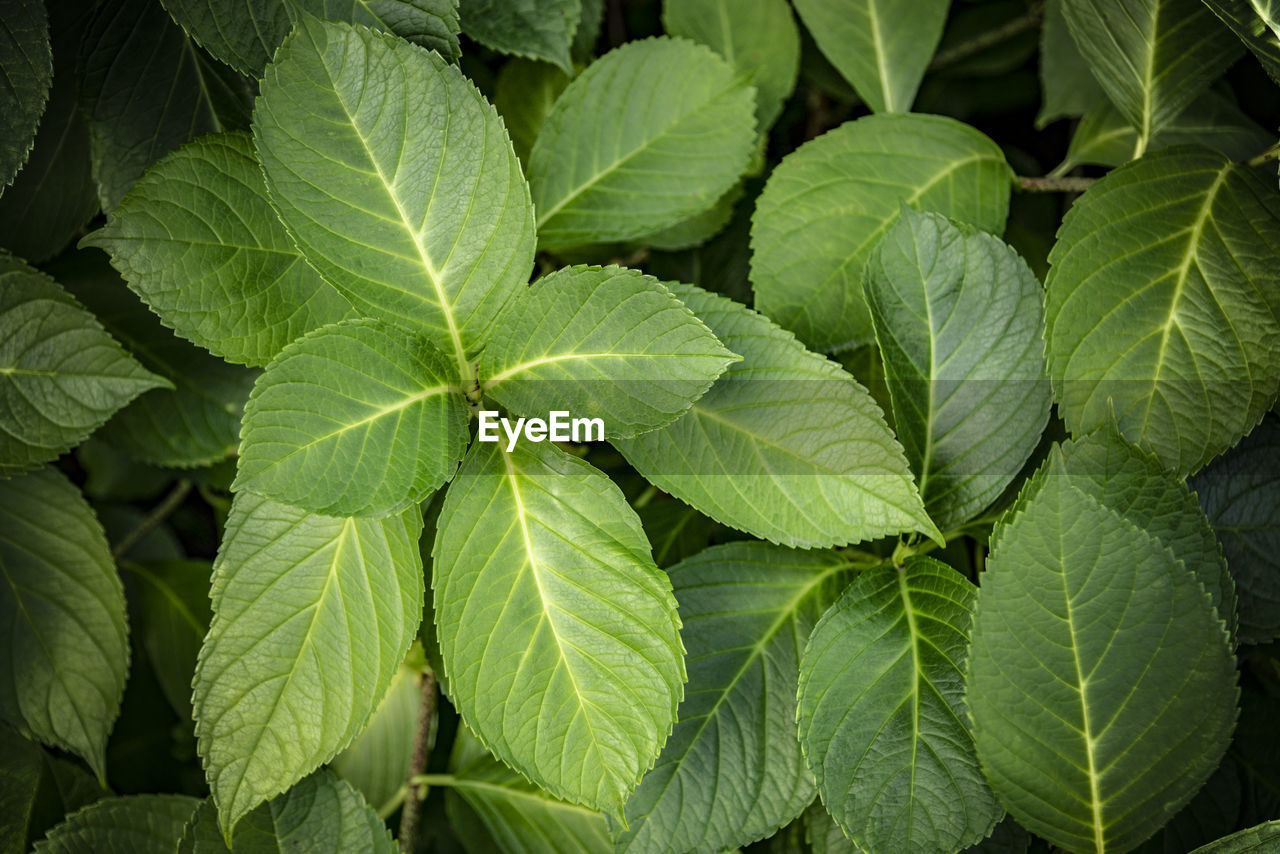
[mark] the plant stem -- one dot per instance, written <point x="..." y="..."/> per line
<point x="991" y="38"/>
<point x="1272" y="153"/>
<point x="433" y="779"/>
<point x="149" y="522"/>
<point x="1053" y="185"/>
<point x="421" y="749"/>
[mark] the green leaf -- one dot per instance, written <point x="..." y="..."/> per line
<point x="321" y="813"/>
<point x="829" y="202"/>
<point x="377" y="763"/>
<point x="245" y="36"/>
<point x="524" y="94"/>
<point x="437" y="241"/>
<point x="516" y="816"/>
<point x="759" y="38"/>
<point x="1180" y="334"/>
<point x="139" y="824"/>
<point x="195" y="423"/>
<point x="1240" y="493"/>
<point x="172" y="598"/>
<point x="354" y="419"/>
<point x="197" y="239"/>
<point x="1152" y="57"/>
<point x="785" y="445"/>
<point x="26" y="64"/>
<point x="1254" y="840"/>
<point x="1213" y="812"/>
<point x="61" y="374"/>
<point x="880" y="706"/>
<point x="732" y="772"/>
<point x="312" y="617"/>
<point x="882" y="47"/>
<point x="21" y="765"/>
<point x="1101" y="683"/>
<point x="823" y="834"/>
<point x="62" y="615"/>
<point x="606" y="343"/>
<point x="146" y="89"/>
<point x="1257" y="23"/>
<point x="1068" y="87"/>
<point x="675" y="530"/>
<point x="684" y="132"/>
<point x="546" y="599"/>
<point x="537" y="29"/>
<point x="957" y="315"/>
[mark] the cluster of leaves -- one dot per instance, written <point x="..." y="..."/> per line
<point x="891" y="547"/>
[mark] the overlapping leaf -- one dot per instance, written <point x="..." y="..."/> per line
<point x="1164" y="303"/>
<point x="377" y="763"/>
<point x="1253" y="840"/>
<point x="61" y="374"/>
<point x="605" y="343"/>
<point x="312" y="616"/>
<point x="880" y="712"/>
<point x="683" y="132"/>
<point x="355" y="418"/>
<point x="1101" y="682"/>
<point x="785" y="445"/>
<point x="421" y="222"/>
<point x="538" y="29"/>
<point x="172" y="598"/>
<point x="828" y="204"/>
<point x="26" y="64"/>
<point x="882" y="47"/>
<point x="1257" y="23"/>
<point x="732" y="771"/>
<point x="957" y="315"/>
<point x="1068" y="87"/>
<point x="137" y="824"/>
<point x="197" y="239"/>
<point x="524" y="94"/>
<point x="559" y="635"/>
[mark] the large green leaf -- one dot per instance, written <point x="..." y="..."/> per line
<point x="681" y="131"/>
<point x="560" y="636"/>
<point x="880" y="712"/>
<point x="1068" y="87"/>
<point x="1240" y="493"/>
<point x="1180" y="332"/>
<point x="605" y="343"/>
<point x="195" y="423"/>
<point x="61" y="374"/>
<point x="957" y="315"/>
<point x="1101" y="682"/>
<point x="828" y="204"/>
<point x="1257" y="23"/>
<point x="62" y="617"/>
<point x="785" y="445"/>
<point x="26" y="64"/>
<point x="139" y="824"/>
<point x="146" y="90"/>
<point x="882" y="47"/>
<point x="312" y="616"/>
<point x="377" y="763"/>
<point x="1262" y="839"/>
<point x="1152" y="57"/>
<point x="197" y="239"/>
<point x="172" y="600"/>
<point x="246" y="35"/>
<point x="422" y="222"/>
<point x="758" y="37"/>
<point x="732" y="771"/>
<point x="538" y="29"/>
<point x="354" y="419"/>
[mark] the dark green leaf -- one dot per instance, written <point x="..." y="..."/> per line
<point x="173" y="605"/>
<point x="26" y="64"/>
<point x="538" y="29"/>
<point x="140" y="824"/>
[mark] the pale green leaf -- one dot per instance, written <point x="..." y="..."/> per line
<point x="697" y="229"/>
<point x="1257" y="23"/>
<point x="785" y="445"/>
<point x="606" y="343"/>
<point x="246" y="35"/>
<point x="197" y="239"/>
<point x="1101" y="683"/>
<point x="422" y="222"/>
<point x="146" y="89"/>
<point x="377" y="762"/>
<point x="829" y="202"/>
<point x="1164" y="303"/>
<point x="312" y="617"/>
<point x="559" y="635"/>
<point x="732" y="771"/>
<point x="758" y="37"/>
<point x="1240" y="493"/>
<point x="1261" y="839"/>
<point x="1152" y="57"/>
<point x="957" y="315"/>
<point x="537" y="29"/>
<point x="882" y="47"/>
<point x="354" y="419"/>
<point x="62" y="617"/>
<point x="683" y="134"/>
<point x="138" y="824"/>
<point x="880" y="712"/>
<point x="172" y="599"/>
<point x="26" y="64"/>
<point x="61" y="374"/>
<point x="524" y="94"/>
<point x="1068" y="88"/>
